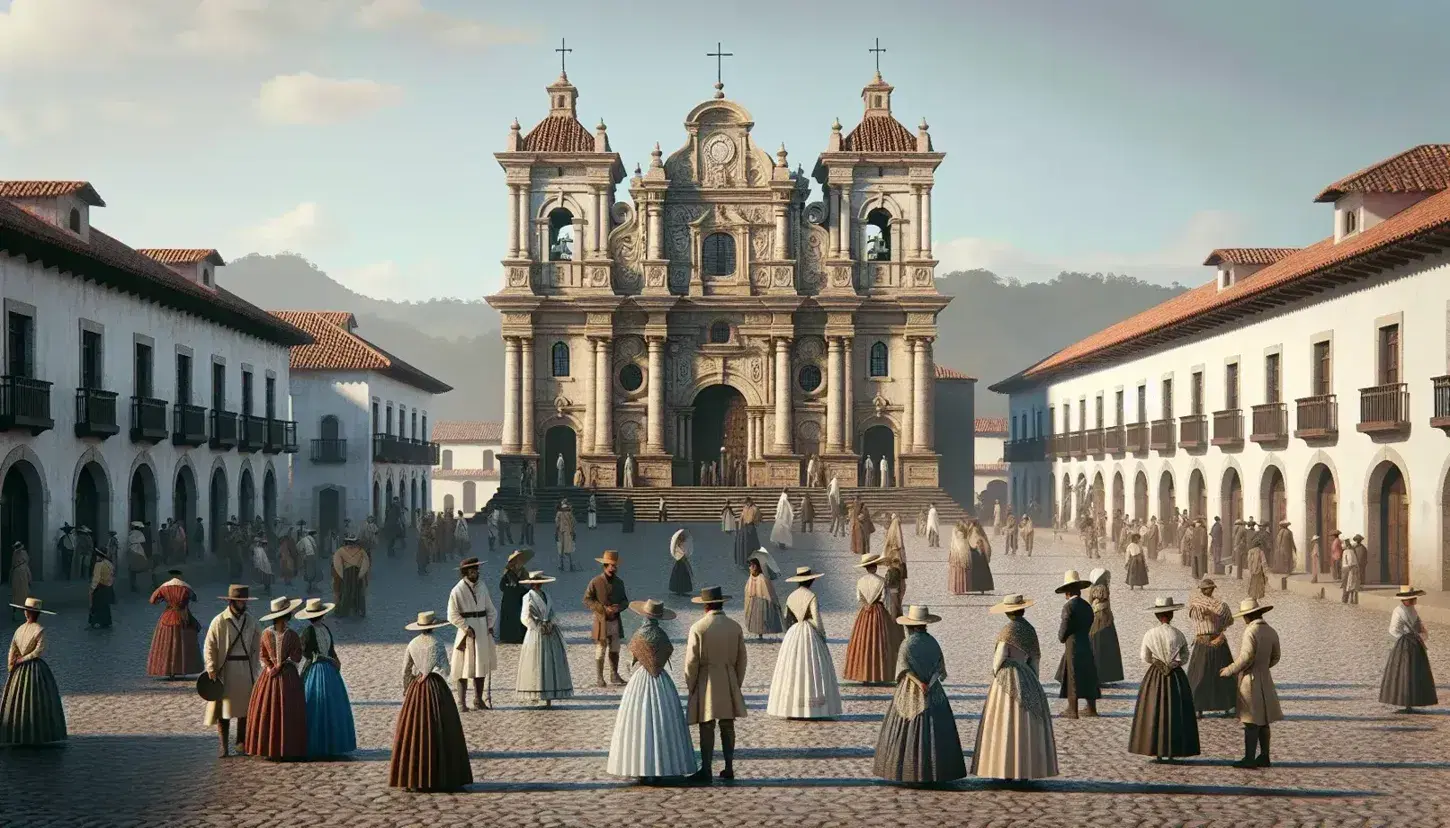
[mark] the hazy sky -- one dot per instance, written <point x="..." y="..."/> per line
<point x="1126" y="135"/>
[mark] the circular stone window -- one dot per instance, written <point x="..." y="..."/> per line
<point x="809" y="378"/>
<point x="631" y="377"/>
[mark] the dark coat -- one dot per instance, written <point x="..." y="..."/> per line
<point x="1078" y="670"/>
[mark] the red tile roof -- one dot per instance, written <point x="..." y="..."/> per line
<point x="467" y="431"/>
<point x="990" y="426"/>
<point x="945" y="373"/>
<point x="558" y="133"/>
<point x="879" y="133"/>
<point x="51" y="189"/>
<point x="1423" y="169"/>
<point x="334" y="348"/>
<point x="1249" y="255"/>
<point x="181" y="255"/>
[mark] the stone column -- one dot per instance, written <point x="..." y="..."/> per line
<point x="908" y="414"/>
<point x="780" y="251"/>
<point x="513" y="224"/>
<point x="582" y="243"/>
<point x="526" y="418"/>
<point x="602" y="226"/>
<point x="750" y="437"/>
<point x="521" y="228"/>
<point x="833" y="226"/>
<point x="604" y="414"/>
<point x="510" y="395"/>
<point x="782" y="396"/>
<point x="848" y="407"/>
<point x="847" y="224"/>
<point x="833" y="395"/>
<point x="591" y="407"/>
<point x="690" y="438"/>
<point x="913" y="245"/>
<point x="655" y="427"/>
<point x="656" y="229"/>
<point x="926" y="222"/>
<point x="925" y="380"/>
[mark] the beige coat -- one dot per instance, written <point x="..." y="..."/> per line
<point x="232" y="651"/>
<point x="1258" y="652"/>
<point x="715" y="668"/>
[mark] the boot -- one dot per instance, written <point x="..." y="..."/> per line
<point x="1092" y="708"/>
<point x="222" y="736"/>
<point x="1263" y="761"/>
<point x="707" y="754"/>
<point x="463" y="694"/>
<point x="478" y="693"/>
<point x="599" y="672"/>
<point x="241" y="736"/>
<point x="727" y="742"/>
<point x="1251" y="741"/>
<point x="614" y="676"/>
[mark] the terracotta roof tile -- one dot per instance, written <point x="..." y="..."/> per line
<point x="1423" y="169"/>
<point x="558" y="133"/>
<point x="945" y="373"/>
<point x="1249" y="255"/>
<point x="334" y="348"/>
<point x="879" y="133"/>
<point x="990" y="426"/>
<point x="182" y="255"/>
<point x="51" y="189"/>
<point x="467" y="431"/>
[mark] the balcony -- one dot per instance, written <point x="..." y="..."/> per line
<point x="1095" y="442"/>
<point x="1078" y="444"/>
<point x="1317" y="418"/>
<point x="329" y="451"/>
<point x="1137" y="438"/>
<point x="388" y="448"/>
<point x="148" y="420"/>
<point x="1440" y="416"/>
<point x="223" y="429"/>
<point x="1116" y="440"/>
<point x="1161" y="437"/>
<point x="1193" y="432"/>
<point x="1270" y="423"/>
<point x="188" y="425"/>
<point x="25" y="405"/>
<point x="1026" y="451"/>
<point x="281" y="436"/>
<point x="1384" y="409"/>
<point x="96" y="413"/>
<point x="253" y="433"/>
<point x="1058" y="446"/>
<point x="1228" y="427"/>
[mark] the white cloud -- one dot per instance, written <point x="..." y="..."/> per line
<point x="66" y="33"/>
<point x="306" y="98"/>
<point x="28" y="122"/>
<point x="412" y="16"/>
<point x="380" y="280"/>
<point x="297" y="230"/>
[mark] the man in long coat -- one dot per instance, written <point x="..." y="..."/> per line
<point x="1258" y="699"/>
<point x="564" y="532"/>
<point x="1336" y="553"/>
<point x="470" y="609"/>
<point x="1215" y="545"/>
<point x="1284" y="550"/>
<point x="714" y="670"/>
<point x="606" y="598"/>
<point x="1240" y="541"/>
<point x="231" y="656"/>
<point x="1078" y="670"/>
<point x="861" y="529"/>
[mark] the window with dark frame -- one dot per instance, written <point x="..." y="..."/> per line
<point x="1143" y="403"/>
<point x="413" y="424"/>
<point x="1389" y="368"/>
<point x="1231" y="386"/>
<point x="1167" y="401"/>
<point x="1272" y="391"/>
<point x="1196" y="397"/>
<point x="271" y="403"/>
<point x="145" y="360"/>
<point x="74" y="220"/>
<point x="1118" y="407"/>
<point x="559" y="356"/>
<point x="1351" y="221"/>
<point x="1323" y="368"/>
<point x="218" y="386"/>
<point x="1066" y="418"/>
<point x="20" y="357"/>
<point x="879" y="364"/>
<point x="376" y="419"/>
<point x="247" y="393"/>
<point x="388" y="428"/>
<point x="183" y="379"/>
<point x="1098" y="410"/>
<point x="717" y="254"/>
<point x="90" y="360"/>
<point x="719" y="332"/>
<point x="1082" y="415"/>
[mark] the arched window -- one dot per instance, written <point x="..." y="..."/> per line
<point x="719" y="332"/>
<point x="809" y="377"/>
<point x="717" y="255"/>
<point x="878" y="236"/>
<point x="561" y="235"/>
<point x="879" y="365"/>
<point x="560" y="357"/>
<point x="1351" y="221"/>
<point x="488" y="458"/>
<point x="448" y="503"/>
<point x="75" y="219"/>
<point x="206" y="276"/>
<point x="447" y="458"/>
<point x="329" y="428"/>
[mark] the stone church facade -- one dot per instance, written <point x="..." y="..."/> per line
<point x="719" y="316"/>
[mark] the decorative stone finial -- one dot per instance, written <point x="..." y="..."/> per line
<point x="637" y="171"/>
<point x="836" y="125"/>
<point x="655" y="156"/>
<point x="601" y="126"/>
<point x="515" y="125"/>
<point x="923" y="126"/>
<point x="719" y="90"/>
<point x="780" y="157"/>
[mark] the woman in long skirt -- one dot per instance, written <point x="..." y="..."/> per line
<point x="1137" y="565"/>
<point x="894" y="559"/>
<point x="727" y="518"/>
<point x="747" y="534"/>
<point x="871" y="651"/>
<point x="979" y="561"/>
<point x="103" y="590"/>
<point x="1165" y="724"/>
<point x="593" y="511"/>
<point x="1014" y="734"/>
<point x="1408" y="682"/>
<point x="918" y="743"/>
<point x="780" y="532"/>
<point x="543" y="665"/>
<point x="1104" y="633"/>
<point x="277" y="713"/>
<point x="30" y="708"/>
<point x="682" y="576"/>
<point x="175" y="650"/>
<point x="429" y="751"/>
<point x="1258" y="567"/>
<point x="762" y="609"/>
<point x="1211" y="617"/>
<point x="958" y="559"/>
<point x="330" y="727"/>
<point x="804" y="683"/>
<point x="933" y="527"/>
<point x="651" y="739"/>
<point x="512" y="592"/>
<point x="351" y="566"/>
<point x="626" y="522"/>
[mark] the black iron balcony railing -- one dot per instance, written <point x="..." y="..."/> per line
<point x="1440" y="414"/>
<point x="148" y="420"/>
<point x="329" y="451"/>
<point x="25" y="404"/>
<point x="188" y="425"/>
<point x="96" y="413"/>
<point x="1030" y="450"/>
<point x="223" y="429"/>
<point x="253" y="433"/>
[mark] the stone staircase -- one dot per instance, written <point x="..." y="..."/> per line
<point x="704" y="503"/>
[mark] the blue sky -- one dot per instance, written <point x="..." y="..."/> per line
<point x="1122" y="135"/>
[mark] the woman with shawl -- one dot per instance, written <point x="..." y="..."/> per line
<point x="1164" y="722"/>
<point x="979" y="560"/>
<point x="651" y="739"/>
<point x="804" y="683"/>
<point x="429" y="750"/>
<point x="727" y="518"/>
<point x="1137" y="566"/>
<point x="784" y="516"/>
<point x="1014" y="733"/>
<point x="1408" y="681"/>
<point x="1104" y="633"/>
<point x="277" y="712"/>
<point x="959" y="558"/>
<point x="918" y="743"/>
<point x="330" y="727"/>
<point x="762" y="608"/>
<point x="747" y="535"/>
<point x="682" y="575"/>
<point x="30" y="708"/>
<point x="894" y="557"/>
<point x="861" y="529"/>
<point x="933" y="527"/>
<point x="871" y="650"/>
<point x="833" y="499"/>
<point x="512" y="590"/>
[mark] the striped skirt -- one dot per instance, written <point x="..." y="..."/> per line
<point x="174" y="651"/>
<point x="30" y="709"/>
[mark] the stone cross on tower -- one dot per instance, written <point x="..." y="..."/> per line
<point x="878" y="52"/>
<point x="719" y="55"/>
<point x="564" y="54"/>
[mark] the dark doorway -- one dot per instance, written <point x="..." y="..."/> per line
<point x="721" y="429"/>
<point x="93" y="502"/>
<point x="246" y="499"/>
<point x="329" y="514"/>
<point x="269" y="498"/>
<point x="20" y="518"/>
<point x="183" y="498"/>
<point x="1232" y="507"/>
<point x="1197" y="495"/>
<point x="1321" y="502"/>
<point x="879" y="442"/>
<point x="1167" y="496"/>
<point x="560" y="440"/>
<point x="377" y="502"/>
<point x="1273" y="499"/>
<point x="413" y="497"/>
<point x="217" y="511"/>
<point x="1120" y="496"/>
<point x="1140" y="497"/>
<point x="1389" y="530"/>
<point x="1100" y="506"/>
<point x="143" y="499"/>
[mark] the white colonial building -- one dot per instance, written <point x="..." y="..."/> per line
<point x="362" y="415"/>
<point x="134" y="388"/>
<point x="990" y="466"/>
<point x="467" y="472"/>
<point x="1306" y="385"/>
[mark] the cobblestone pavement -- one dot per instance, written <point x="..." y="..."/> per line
<point x="139" y="755"/>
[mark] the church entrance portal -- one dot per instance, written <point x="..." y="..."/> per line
<point x="559" y="440"/>
<point x="721" y="432"/>
<point x="879" y="443"/>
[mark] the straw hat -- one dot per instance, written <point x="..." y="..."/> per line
<point x="136" y="524"/>
<point x="710" y="595"/>
<point x="348" y="538"/>
<point x="1249" y="605"/>
<point x="1283" y="523"/>
<point x="538" y="578"/>
<point x="521" y="555"/>
<point x="917" y="615"/>
<point x="238" y="592"/>
<point x="314" y="608"/>
<point x="1099" y="575"/>
<point x="1408" y="591"/>
<point x="609" y="557"/>
<point x="34" y="605"/>
<point x="468" y="563"/>
<point x="651" y="609"/>
<point x="282" y="606"/>
<point x="426" y="621"/>
<point x="804" y="575"/>
<point x="1072" y="582"/>
<point x="1207" y="583"/>
<point x="1165" y="605"/>
<point x="870" y="559"/>
<point x="1011" y="603"/>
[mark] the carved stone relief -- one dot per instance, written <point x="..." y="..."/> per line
<point x="627" y="246"/>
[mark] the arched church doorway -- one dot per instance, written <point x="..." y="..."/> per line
<point x="721" y="428"/>
<point x="1140" y="497"/>
<point x="879" y="443"/>
<point x="21" y="497"/>
<point x="217" y="510"/>
<point x="1232" y="507"/>
<point x="1197" y="495"/>
<point x="269" y="499"/>
<point x="1167" y="496"/>
<point x="560" y="440"/>
<point x="93" y="502"/>
<point x="1389" y="527"/>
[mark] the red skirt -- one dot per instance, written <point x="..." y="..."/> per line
<point x="277" y="715"/>
<point x="175" y="651"/>
<point x="871" y="652"/>
<point x="429" y="751"/>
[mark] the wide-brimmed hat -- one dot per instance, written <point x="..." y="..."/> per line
<point x="1072" y="582"/>
<point x="136" y="524"/>
<point x="349" y="538"/>
<point x="468" y="563"/>
<point x="238" y="592"/>
<point x="1249" y="606"/>
<point x="522" y="555"/>
<point x="1011" y="603"/>
<point x="282" y="606"/>
<point x="710" y="595"/>
<point x="651" y="608"/>
<point x="609" y="557"/>
<point x="804" y="575"/>
<point x="1100" y="575"/>
<point x="1207" y="583"/>
<point x="1165" y="605"/>
<point x="538" y="577"/>
<point x="917" y="615"/>
<point x="870" y="559"/>
<point x="426" y="621"/>
<point x="1357" y="538"/>
<point x="66" y="527"/>
<point x="1408" y="591"/>
<point x="1284" y="523"/>
<point x="314" y="608"/>
<point x="34" y="605"/>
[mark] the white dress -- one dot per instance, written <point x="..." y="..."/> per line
<point x="594" y="511"/>
<point x="650" y="736"/>
<point x="477" y="658"/>
<point x="543" y="664"/>
<point x="784" y="516"/>
<point x="804" y="685"/>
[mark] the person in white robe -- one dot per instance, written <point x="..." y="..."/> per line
<point x="804" y="684"/>
<point x="933" y="527"/>
<point x="870" y="469"/>
<point x="262" y="564"/>
<point x="559" y="478"/>
<point x="838" y="514"/>
<point x="629" y="471"/>
<point x="885" y="472"/>
<point x="727" y="518"/>
<point x="811" y="471"/>
<point x="780" y="533"/>
<point x="470" y="609"/>
<point x="593" y="512"/>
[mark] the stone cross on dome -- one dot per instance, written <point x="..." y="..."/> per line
<point x="719" y="55"/>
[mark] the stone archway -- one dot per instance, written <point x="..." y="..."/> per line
<point x="1197" y="495"/>
<point x="879" y="443"/>
<point x="246" y="498"/>
<point x="721" y="430"/>
<point x="1140" y="496"/>
<point x="141" y="505"/>
<point x="269" y="498"/>
<point x="217" y="502"/>
<point x="22" y="518"/>
<point x="1120" y="498"/>
<point x="92" y="501"/>
<point x="1231" y="506"/>
<point x="1273" y="507"/>
<point x="560" y="441"/>
<point x="1321" y="510"/>
<point x="1099" y="496"/>
<point x="1388" y="513"/>
<point x="1167" y="496"/>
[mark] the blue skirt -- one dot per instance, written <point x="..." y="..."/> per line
<point x="330" y="730"/>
